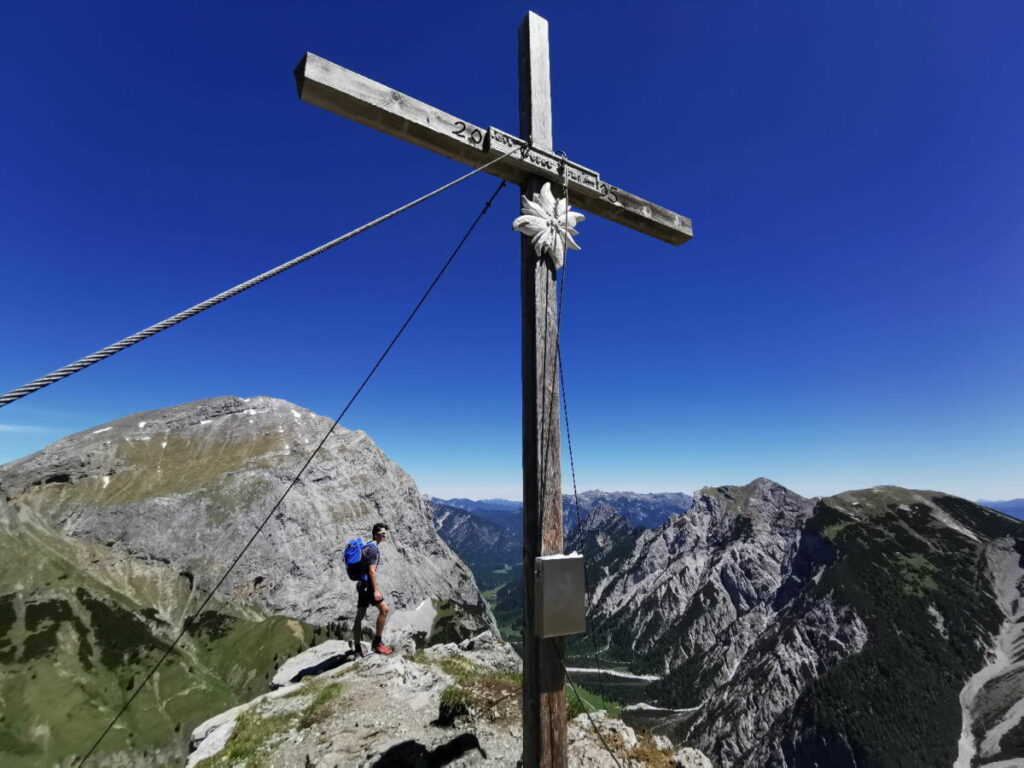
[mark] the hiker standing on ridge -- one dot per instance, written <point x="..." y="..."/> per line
<point x="368" y="592"/>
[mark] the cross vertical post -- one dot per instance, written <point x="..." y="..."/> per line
<point x="526" y="160"/>
<point x="544" y="726"/>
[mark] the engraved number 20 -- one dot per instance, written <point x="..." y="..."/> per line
<point x="475" y="136"/>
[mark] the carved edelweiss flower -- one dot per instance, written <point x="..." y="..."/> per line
<point x="550" y="223"/>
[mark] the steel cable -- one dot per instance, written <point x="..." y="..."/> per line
<point x="259" y="529"/>
<point x="584" y="706"/>
<point x="135" y="338"/>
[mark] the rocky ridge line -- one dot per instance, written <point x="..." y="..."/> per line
<point x="401" y="711"/>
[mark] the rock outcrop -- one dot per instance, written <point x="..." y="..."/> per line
<point x="453" y="704"/>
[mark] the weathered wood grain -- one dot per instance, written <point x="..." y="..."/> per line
<point x="347" y="93"/>
<point x="544" y="728"/>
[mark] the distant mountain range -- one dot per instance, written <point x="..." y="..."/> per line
<point x="480" y="505"/>
<point x="647" y="510"/>
<point x="487" y="535"/>
<point x="1013" y="507"/>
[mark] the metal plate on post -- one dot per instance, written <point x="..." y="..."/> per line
<point x="560" y="596"/>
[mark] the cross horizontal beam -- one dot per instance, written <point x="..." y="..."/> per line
<point x="344" y="92"/>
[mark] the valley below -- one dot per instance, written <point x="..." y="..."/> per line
<point x="741" y="626"/>
<point x="768" y="629"/>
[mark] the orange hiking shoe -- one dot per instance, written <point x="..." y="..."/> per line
<point x="382" y="649"/>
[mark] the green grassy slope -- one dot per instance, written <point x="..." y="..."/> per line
<point x="79" y="633"/>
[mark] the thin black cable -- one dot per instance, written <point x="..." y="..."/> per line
<point x="584" y="706"/>
<point x="135" y="338"/>
<point x="259" y="529"/>
<point x="546" y="445"/>
<point x="568" y="432"/>
<point x="576" y="504"/>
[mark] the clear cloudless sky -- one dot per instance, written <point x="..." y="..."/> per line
<point x="848" y="314"/>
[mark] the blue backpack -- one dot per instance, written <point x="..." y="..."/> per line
<point x="354" y="559"/>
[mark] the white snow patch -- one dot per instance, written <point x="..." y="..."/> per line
<point x="296" y="414"/>
<point x="105" y="429"/>
<point x="251" y="412"/>
<point x="106" y="480"/>
<point x="142" y="424"/>
<point x="204" y="422"/>
<point x="163" y="444"/>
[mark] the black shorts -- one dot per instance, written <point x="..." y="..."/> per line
<point x="365" y="595"/>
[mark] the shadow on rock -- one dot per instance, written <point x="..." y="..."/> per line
<point x="332" y="662"/>
<point x="412" y="754"/>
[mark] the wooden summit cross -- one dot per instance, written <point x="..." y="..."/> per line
<point x="531" y="165"/>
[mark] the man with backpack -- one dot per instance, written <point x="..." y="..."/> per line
<point x="368" y="590"/>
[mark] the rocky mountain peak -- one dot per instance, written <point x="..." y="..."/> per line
<point x="110" y="538"/>
<point x="604" y="517"/>
<point x="187" y="485"/>
<point x="782" y="627"/>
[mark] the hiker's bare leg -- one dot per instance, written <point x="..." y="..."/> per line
<point x="382" y="618"/>
<point x="357" y="626"/>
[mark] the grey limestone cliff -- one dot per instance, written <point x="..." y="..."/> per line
<point x="188" y="485"/>
<point x="111" y="538"/>
<point x="875" y="627"/>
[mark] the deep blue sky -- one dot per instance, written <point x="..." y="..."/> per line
<point x="848" y="313"/>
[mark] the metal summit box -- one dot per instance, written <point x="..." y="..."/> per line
<point x="559" y="595"/>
